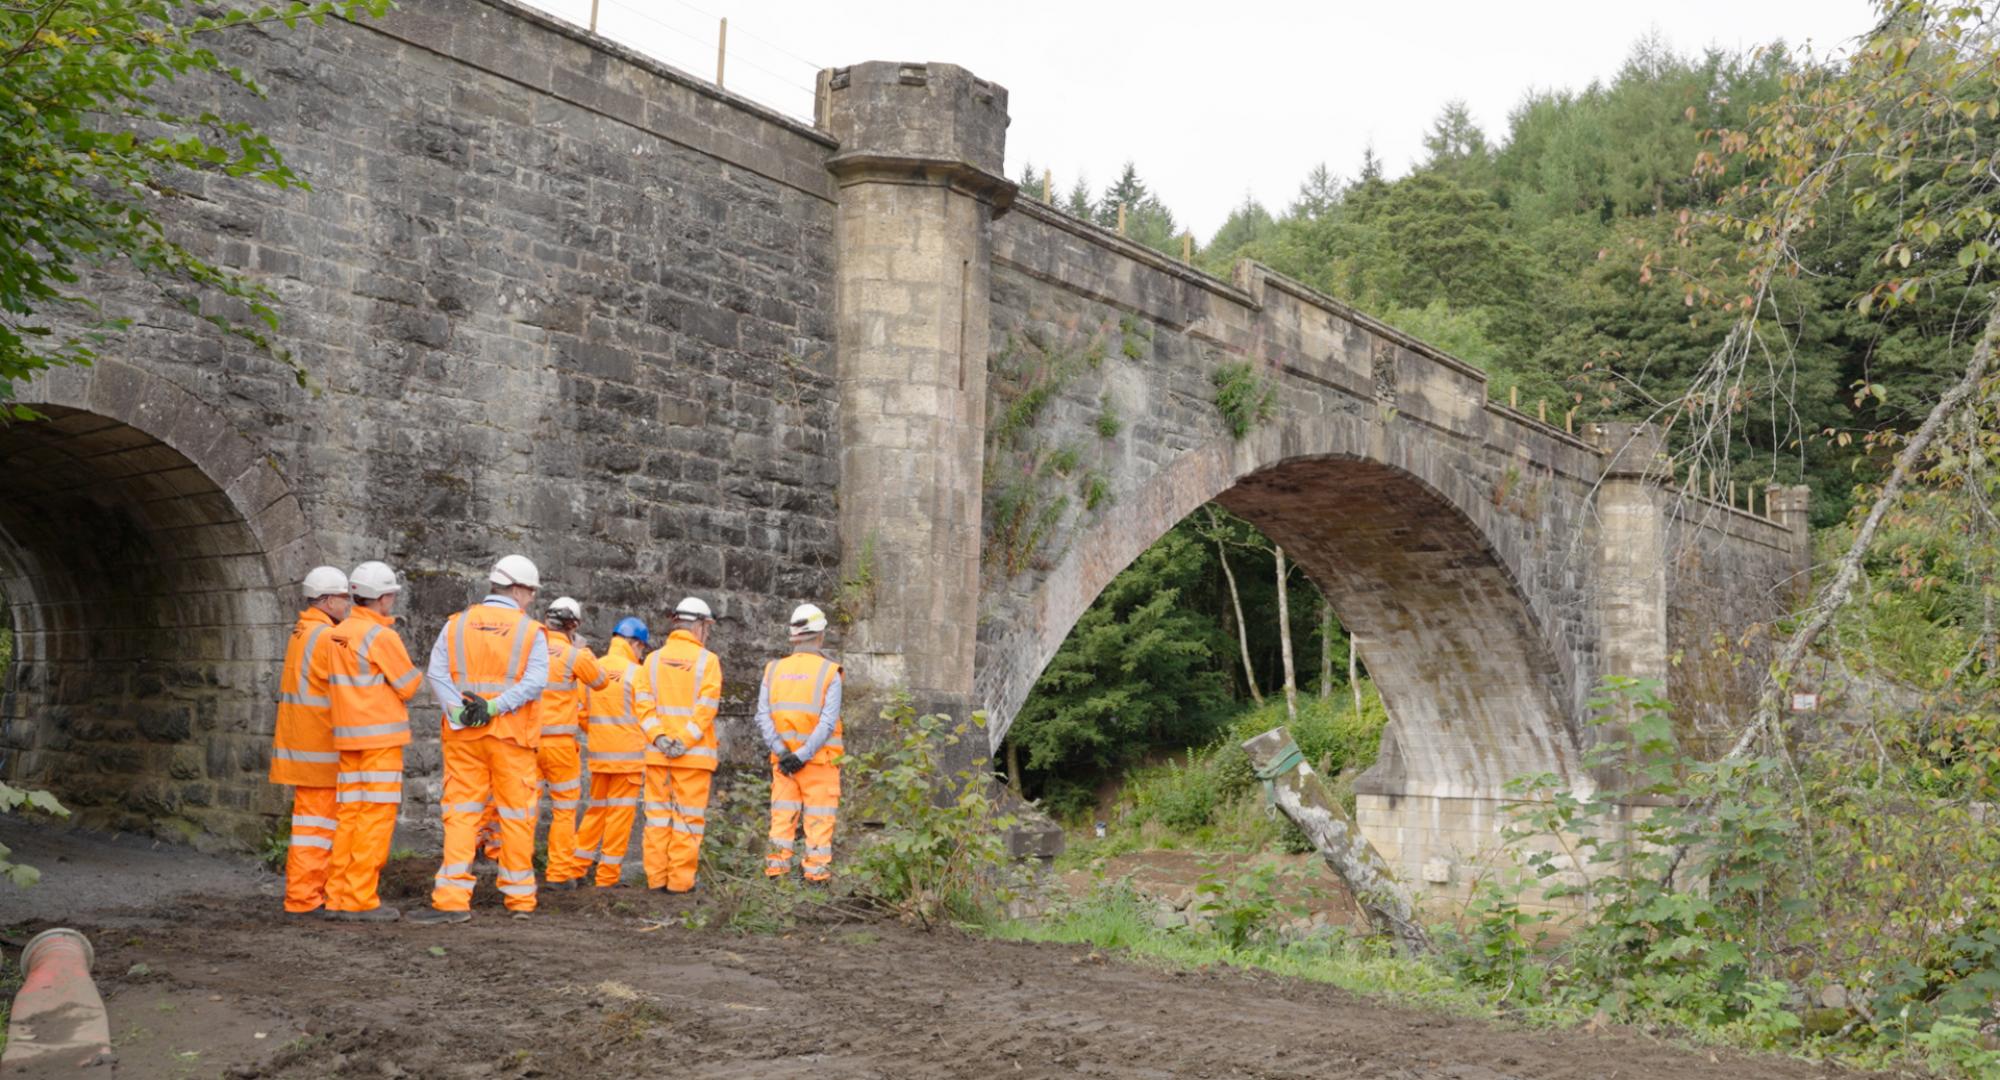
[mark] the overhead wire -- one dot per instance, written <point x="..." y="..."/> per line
<point x="700" y="40"/>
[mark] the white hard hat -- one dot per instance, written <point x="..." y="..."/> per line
<point x="325" y="581"/>
<point x="692" y="608"/>
<point x="565" y="605"/>
<point x="515" y="570"/>
<point x="807" y="620"/>
<point x="373" y="579"/>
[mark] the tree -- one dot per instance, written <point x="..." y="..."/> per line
<point x="1245" y="226"/>
<point x="1147" y="219"/>
<point x="93" y="151"/>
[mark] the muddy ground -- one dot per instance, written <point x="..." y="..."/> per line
<point x="606" y="984"/>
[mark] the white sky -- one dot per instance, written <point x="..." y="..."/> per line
<point x="1211" y="100"/>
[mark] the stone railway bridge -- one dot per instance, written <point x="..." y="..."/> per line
<point x="558" y="298"/>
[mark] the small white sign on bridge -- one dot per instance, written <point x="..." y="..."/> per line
<point x="1805" y="702"/>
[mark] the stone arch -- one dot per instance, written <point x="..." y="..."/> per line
<point x="1415" y="555"/>
<point x="145" y="546"/>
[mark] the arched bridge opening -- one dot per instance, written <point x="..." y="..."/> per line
<point x="147" y="623"/>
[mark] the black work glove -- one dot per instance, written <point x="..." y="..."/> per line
<point x="475" y="714"/>
<point x="790" y="764"/>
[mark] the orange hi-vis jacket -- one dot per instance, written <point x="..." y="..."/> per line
<point x="797" y="685"/>
<point x="488" y="646"/>
<point x="675" y="693"/>
<point x="302" y="750"/>
<point x="613" y="740"/>
<point x="371" y="680"/>
<point x="573" y="673"/>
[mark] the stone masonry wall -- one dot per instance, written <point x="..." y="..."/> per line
<point x="553" y="298"/>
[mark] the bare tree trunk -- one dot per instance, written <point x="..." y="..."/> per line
<point x="1300" y="795"/>
<point x="1014" y="766"/>
<point x="1354" y="670"/>
<point x="1236" y="601"/>
<point x="1285" y="637"/>
<point x="1325" y="649"/>
<point x="1847" y="568"/>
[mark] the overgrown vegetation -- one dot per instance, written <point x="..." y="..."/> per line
<point x="13" y="799"/>
<point x="1244" y="397"/>
<point x="93" y="154"/>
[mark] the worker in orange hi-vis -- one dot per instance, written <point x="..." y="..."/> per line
<point x="371" y="683"/>
<point x="675" y="693"/>
<point x="798" y="714"/>
<point x="573" y="673"/>
<point x="487" y="670"/>
<point x="615" y="752"/>
<point x="302" y="753"/>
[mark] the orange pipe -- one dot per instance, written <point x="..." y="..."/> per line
<point x="58" y="1018"/>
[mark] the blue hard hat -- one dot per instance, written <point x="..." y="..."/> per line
<point x="633" y="627"/>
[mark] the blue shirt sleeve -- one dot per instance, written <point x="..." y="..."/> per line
<point x="438" y="673"/>
<point x="765" y="727"/>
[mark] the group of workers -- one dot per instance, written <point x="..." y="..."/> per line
<point x="525" y="709"/>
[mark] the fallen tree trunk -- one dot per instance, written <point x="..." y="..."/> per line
<point x="1296" y="790"/>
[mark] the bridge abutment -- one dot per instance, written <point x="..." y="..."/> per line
<point x="919" y="183"/>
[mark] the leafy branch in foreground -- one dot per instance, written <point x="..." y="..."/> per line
<point x="90" y="154"/>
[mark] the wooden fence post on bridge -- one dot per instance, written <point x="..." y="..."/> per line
<point x="721" y="50"/>
<point x="1296" y="790"/>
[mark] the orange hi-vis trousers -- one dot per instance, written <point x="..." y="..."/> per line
<point x="676" y="815"/>
<point x="814" y="794"/>
<point x="607" y="825"/>
<point x="562" y="780"/>
<point x="311" y="850"/>
<point x="474" y="770"/>
<point x="560" y="767"/>
<point x="370" y="793"/>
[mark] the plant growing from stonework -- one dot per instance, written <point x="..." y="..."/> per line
<point x="91" y="151"/>
<point x="1243" y="396"/>
<point x="856" y="594"/>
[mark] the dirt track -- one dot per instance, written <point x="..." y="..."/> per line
<point x="581" y="991"/>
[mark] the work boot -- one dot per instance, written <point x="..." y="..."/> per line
<point x="378" y="913"/>
<point x="564" y="886"/>
<point x="314" y="915"/>
<point x="524" y="916"/>
<point x="431" y="916"/>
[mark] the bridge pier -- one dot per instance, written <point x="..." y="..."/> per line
<point x="919" y="183"/>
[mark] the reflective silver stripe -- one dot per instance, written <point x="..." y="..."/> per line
<point x="612" y="860"/>
<point x="586" y="856"/>
<point x="675" y="710"/>
<point x="315" y="757"/>
<point x="825" y="852"/>
<point x="484" y="687"/>
<point x="311" y="822"/>
<point x="658" y="822"/>
<point x="599" y="718"/>
<point x="563" y="804"/>
<point x="655" y="807"/>
<point x="570" y="784"/>
<point x="518" y="890"/>
<point x="443" y="882"/>
<point x="370" y="796"/>
<point x="623" y="800"/>
<point x="363" y="731"/>
<point x="382" y="776"/>
<point x="710" y="702"/>
<point x="509" y="813"/>
<point x="786" y="844"/>
<point x="355" y="680"/>
<point x="786" y="804"/>
<point x="516" y="875"/>
<point x="460" y="869"/>
<point x="559" y="729"/>
<point x="300" y="694"/>
<point x="617" y="721"/>
<point x="465" y="808"/>
<point x="309" y="840"/>
<point x="702" y="752"/>
<point x="407" y="677"/>
<point x="518" y="663"/>
<point x="822" y="811"/>
<point x="621" y="755"/>
<point x="686" y="827"/>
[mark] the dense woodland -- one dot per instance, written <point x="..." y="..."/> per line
<point x="1557" y="256"/>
